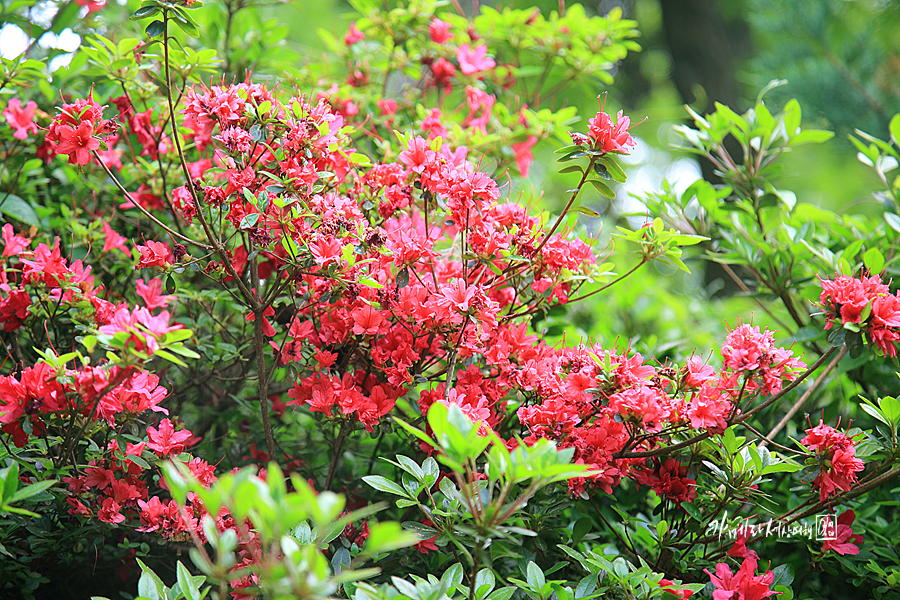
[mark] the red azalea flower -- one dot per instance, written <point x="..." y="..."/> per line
<point x="151" y="293"/>
<point x="844" y="541"/>
<point x="743" y="585"/>
<point x="523" y="154"/>
<point x="13" y="245"/>
<point x="154" y="254"/>
<point x="112" y="240"/>
<point x="165" y="441"/>
<point x="607" y="136"/>
<point x="77" y="143"/>
<point x="837" y="457"/>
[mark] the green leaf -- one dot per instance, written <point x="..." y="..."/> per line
<point x="890" y="406"/>
<point x="893" y="221"/>
<point x="874" y="260"/>
<point x="389" y="535"/>
<point x="170" y="284"/>
<point x="185" y="22"/>
<point x="782" y="467"/>
<point x="581" y="528"/>
<point x="874" y="412"/>
<point x="811" y="136"/>
<point x="18" y="209"/>
<point x="403" y="278"/>
<point x="177" y="336"/>
<point x="249" y="221"/>
<point x="138" y="461"/>
<point x="383" y="484"/>
<point x="504" y="593"/>
<point x="181" y="350"/>
<point x="150" y="585"/>
<point x="602" y="171"/>
<point x="586" y="211"/>
<point x="170" y="357"/>
<point x="615" y="171"/>
<point x="535" y="576"/>
<point x="34" y="489"/>
<point x="11" y="481"/>
<point x="155" y="29"/>
<point x="603" y="188"/>
<point x="186" y="583"/>
<point x="895" y="129"/>
<point x="792" y="117"/>
<point x="18" y="511"/>
<point x="732" y="116"/>
<point x="566" y="149"/>
<point x="369" y="282"/>
<point x="662" y="528"/>
<point x="144" y="12"/>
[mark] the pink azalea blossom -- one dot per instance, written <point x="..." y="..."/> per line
<point x="743" y="585"/>
<point x="14" y="245"/>
<point x="439" y="31"/>
<point x="77" y="143"/>
<point x="353" y="35"/>
<point x="21" y="119"/>
<point x="523" y="154"/>
<point x="112" y="240"/>
<point x="474" y="60"/>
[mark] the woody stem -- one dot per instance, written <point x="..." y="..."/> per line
<point x="259" y="343"/>
<point x="565" y="211"/>
<point x="216" y="243"/>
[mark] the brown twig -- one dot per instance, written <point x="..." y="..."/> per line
<point x="793" y="410"/>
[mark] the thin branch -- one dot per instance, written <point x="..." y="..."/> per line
<point x="796" y="407"/>
<point x="737" y="280"/>
<point x="147" y="214"/>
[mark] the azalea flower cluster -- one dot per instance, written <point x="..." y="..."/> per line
<point x="743" y="585"/>
<point x="116" y="489"/>
<point x="377" y="240"/>
<point x="402" y="278"/>
<point x="605" y="136"/>
<point x="116" y="484"/>
<point x="836" y="459"/>
<point x="606" y="404"/>
<point x="75" y="129"/>
<point x="866" y="305"/>
<point x="35" y="396"/>
<point x="23" y="269"/>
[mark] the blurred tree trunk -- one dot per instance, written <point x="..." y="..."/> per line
<point x="706" y="48"/>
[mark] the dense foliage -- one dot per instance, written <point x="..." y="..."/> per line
<point x="247" y="300"/>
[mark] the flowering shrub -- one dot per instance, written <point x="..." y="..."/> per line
<point x="310" y="281"/>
